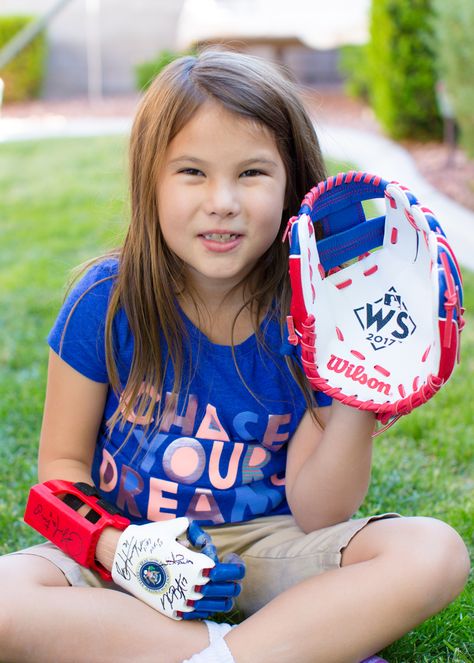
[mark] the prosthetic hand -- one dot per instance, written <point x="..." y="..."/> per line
<point x="149" y="561"/>
<point x="154" y="566"/>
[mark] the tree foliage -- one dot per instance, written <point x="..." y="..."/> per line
<point x="402" y="68"/>
<point x="454" y="27"/>
<point x="23" y="76"/>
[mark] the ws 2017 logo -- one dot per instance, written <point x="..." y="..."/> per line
<point x="386" y="320"/>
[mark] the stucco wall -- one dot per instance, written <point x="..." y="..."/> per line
<point x="128" y="32"/>
<point x="131" y="31"/>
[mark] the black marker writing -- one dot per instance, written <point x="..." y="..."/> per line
<point x="177" y="559"/>
<point x="176" y="592"/>
<point x="130" y="550"/>
<point x="63" y="536"/>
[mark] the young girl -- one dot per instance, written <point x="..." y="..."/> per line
<point x="167" y="389"/>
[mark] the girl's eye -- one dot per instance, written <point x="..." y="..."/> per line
<point x="252" y="172"/>
<point x="190" y="171"/>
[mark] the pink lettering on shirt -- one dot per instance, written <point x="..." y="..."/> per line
<point x="186" y="421"/>
<point x="215" y="476"/>
<point x="108" y="472"/>
<point x="184" y="460"/>
<point x="211" y="428"/>
<point x="152" y="394"/>
<point x="278" y="481"/>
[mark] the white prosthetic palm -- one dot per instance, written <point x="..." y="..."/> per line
<point x="154" y="566"/>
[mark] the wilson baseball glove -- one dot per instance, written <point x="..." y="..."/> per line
<point x="376" y="303"/>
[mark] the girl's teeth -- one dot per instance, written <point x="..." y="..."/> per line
<point x="220" y="237"/>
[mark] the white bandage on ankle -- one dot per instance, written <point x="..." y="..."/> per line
<point x="217" y="631"/>
<point x="217" y="652"/>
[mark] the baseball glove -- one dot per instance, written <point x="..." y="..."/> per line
<point x="376" y="303"/>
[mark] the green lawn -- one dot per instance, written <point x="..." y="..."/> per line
<point x="63" y="201"/>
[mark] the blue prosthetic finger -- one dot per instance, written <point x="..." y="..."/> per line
<point x="232" y="558"/>
<point x="220" y="589"/>
<point x="201" y="539"/>
<point x="195" y="615"/>
<point x="197" y="536"/>
<point x="227" y="572"/>
<point x="212" y="605"/>
<point x="211" y="551"/>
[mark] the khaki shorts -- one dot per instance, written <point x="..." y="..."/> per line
<point x="276" y="552"/>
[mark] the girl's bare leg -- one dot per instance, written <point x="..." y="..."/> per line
<point x="396" y="573"/>
<point x="42" y="619"/>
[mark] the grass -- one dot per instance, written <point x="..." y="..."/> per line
<point x="64" y="201"/>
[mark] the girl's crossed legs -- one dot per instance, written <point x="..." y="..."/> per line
<point x="395" y="573"/>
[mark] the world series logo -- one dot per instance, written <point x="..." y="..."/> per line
<point x="386" y="320"/>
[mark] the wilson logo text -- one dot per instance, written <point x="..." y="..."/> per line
<point x="357" y="374"/>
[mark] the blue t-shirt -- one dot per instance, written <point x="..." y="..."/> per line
<point x="220" y="455"/>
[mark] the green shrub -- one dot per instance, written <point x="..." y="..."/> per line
<point x="147" y="71"/>
<point x="354" y="69"/>
<point x="402" y="68"/>
<point x="23" y="76"/>
<point x="454" y="27"/>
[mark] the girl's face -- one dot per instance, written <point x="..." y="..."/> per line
<point x="221" y="194"/>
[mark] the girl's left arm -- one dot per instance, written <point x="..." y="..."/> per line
<point x="328" y="471"/>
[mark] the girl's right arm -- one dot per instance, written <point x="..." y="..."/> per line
<point x="73" y="411"/>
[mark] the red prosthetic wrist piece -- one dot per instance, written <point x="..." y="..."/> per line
<point x="52" y="511"/>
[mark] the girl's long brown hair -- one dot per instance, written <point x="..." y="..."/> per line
<point x="150" y="275"/>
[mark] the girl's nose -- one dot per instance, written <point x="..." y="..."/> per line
<point x="222" y="200"/>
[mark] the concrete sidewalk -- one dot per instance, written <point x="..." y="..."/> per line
<point x="364" y="150"/>
<point x="60" y="126"/>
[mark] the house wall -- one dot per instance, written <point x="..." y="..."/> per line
<point x="128" y="32"/>
<point x="131" y="31"/>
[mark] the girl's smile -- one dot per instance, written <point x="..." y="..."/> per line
<point x="221" y="194"/>
<point x="220" y="241"/>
